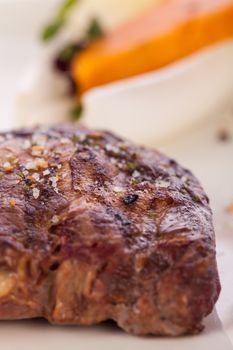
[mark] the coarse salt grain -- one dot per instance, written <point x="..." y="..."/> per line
<point x="31" y="165"/>
<point x="35" y="192"/>
<point x="55" y="219"/>
<point x="7" y="166"/>
<point x="136" y="174"/>
<point x="111" y="148"/>
<point x="118" y="189"/>
<point x="113" y="160"/>
<point x="27" y="144"/>
<point x="54" y="180"/>
<point x="162" y="183"/>
<point x="37" y="150"/>
<point x="41" y="163"/>
<point x="36" y="176"/>
<point x="39" y="140"/>
<point x="36" y="164"/>
<point x="46" y="172"/>
<point x="65" y="140"/>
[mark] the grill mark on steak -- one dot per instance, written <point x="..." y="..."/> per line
<point x="93" y="227"/>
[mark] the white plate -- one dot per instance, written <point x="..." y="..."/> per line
<point x="198" y="149"/>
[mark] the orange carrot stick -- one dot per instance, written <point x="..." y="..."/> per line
<point x="164" y="34"/>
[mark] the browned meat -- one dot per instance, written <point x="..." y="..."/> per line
<point x="93" y="228"/>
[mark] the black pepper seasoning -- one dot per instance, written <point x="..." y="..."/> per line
<point x="130" y="199"/>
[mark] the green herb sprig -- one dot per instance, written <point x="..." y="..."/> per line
<point x="59" y="20"/>
<point x="76" y="111"/>
<point x="95" y="30"/>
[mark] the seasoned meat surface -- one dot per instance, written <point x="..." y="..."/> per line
<point x="93" y="227"/>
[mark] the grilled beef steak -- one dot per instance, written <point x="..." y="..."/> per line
<point x="93" y="227"/>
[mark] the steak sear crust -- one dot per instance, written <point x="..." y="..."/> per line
<point x="93" y="227"/>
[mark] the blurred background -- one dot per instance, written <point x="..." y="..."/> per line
<point x="167" y="63"/>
